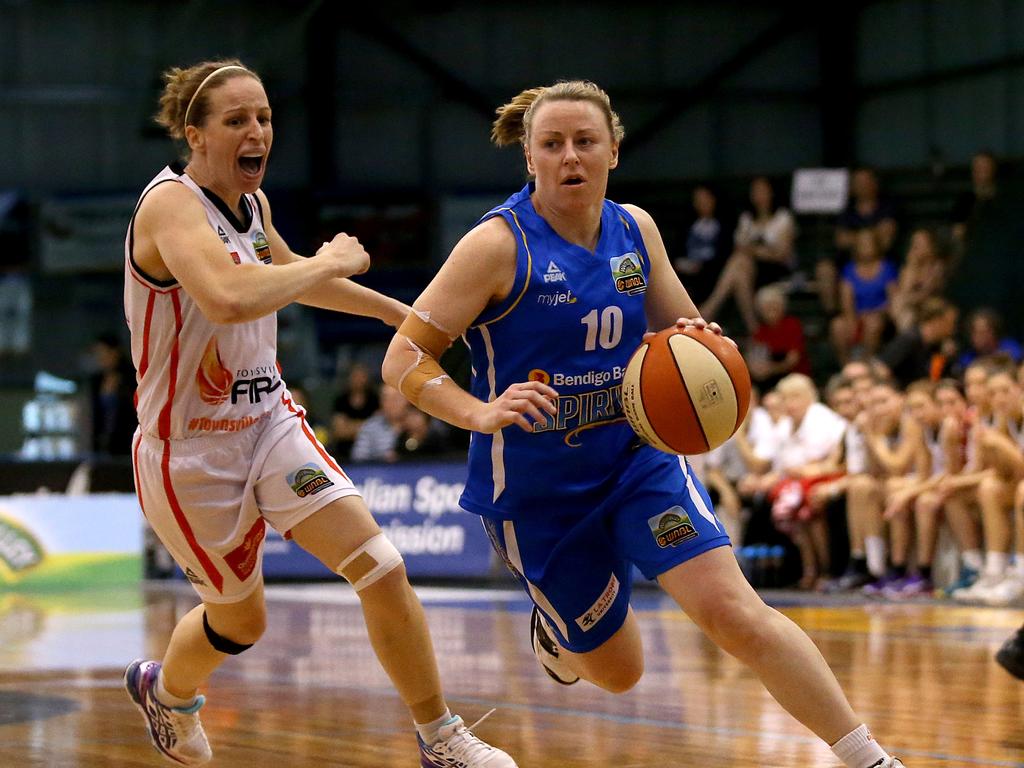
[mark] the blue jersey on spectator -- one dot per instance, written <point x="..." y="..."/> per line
<point x="870" y="294"/>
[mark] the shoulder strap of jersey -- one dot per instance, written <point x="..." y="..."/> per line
<point x="524" y="267"/>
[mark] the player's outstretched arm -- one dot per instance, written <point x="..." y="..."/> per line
<point x="339" y="294"/>
<point x="173" y="238"/>
<point x="479" y="272"/>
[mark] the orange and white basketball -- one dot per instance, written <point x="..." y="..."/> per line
<point x="686" y="391"/>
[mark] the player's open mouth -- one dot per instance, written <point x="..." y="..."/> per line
<point x="573" y="181"/>
<point x="251" y="164"/>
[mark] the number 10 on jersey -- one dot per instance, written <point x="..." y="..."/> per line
<point x="604" y="328"/>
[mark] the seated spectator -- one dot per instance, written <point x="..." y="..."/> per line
<point x="867" y="209"/>
<point x="867" y="285"/>
<point x="926" y="350"/>
<point x="421" y="435"/>
<point x="778" y="347"/>
<point x="811" y="435"/>
<point x="708" y="244"/>
<point x="112" y="398"/>
<point x="894" y="442"/>
<point x="970" y="205"/>
<point x="922" y="275"/>
<point x="763" y="254"/>
<point x="985" y="337"/>
<point x="377" y="439"/>
<point x="354" y="405"/>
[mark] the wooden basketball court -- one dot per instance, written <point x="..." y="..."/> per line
<point x="312" y="694"/>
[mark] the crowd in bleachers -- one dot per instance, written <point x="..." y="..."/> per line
<point x="917" y="434"/>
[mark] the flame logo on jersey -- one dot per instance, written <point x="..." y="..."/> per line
<point x="212" y="378"/>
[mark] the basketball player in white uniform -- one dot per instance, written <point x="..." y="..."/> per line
<point x="221" y="449"/>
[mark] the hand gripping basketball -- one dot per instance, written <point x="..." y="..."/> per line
<point x="686" y="389"/>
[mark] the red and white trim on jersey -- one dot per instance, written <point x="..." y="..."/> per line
<point x="196" y="377"/>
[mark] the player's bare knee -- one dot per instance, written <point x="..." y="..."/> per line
<point x="621" y="676"/>
<point x="738" y="626"/>
<point x="374" y="562"/>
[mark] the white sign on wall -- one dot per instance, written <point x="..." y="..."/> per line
<point x="820" y="190"/>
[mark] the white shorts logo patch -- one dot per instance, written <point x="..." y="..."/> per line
<point x="600" y="607"/>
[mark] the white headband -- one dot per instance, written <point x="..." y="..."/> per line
<point x="205" y="81"/>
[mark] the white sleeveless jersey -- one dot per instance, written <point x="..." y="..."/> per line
<point x="196" y="377"/>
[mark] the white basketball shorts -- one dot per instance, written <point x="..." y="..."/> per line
<point x="209" y="498"/>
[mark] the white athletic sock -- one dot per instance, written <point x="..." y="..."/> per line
<point x="858" y="749"/>
<point x="169" y="700"/>
<point x="996" y="563"/>
<point x="1017" y="569"/>
<point x="973" y="559"/>
<point x="875" y="546"/>
<point x="429" y="731"/>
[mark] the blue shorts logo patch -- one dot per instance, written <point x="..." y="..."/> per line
<point x="672" y="527"/>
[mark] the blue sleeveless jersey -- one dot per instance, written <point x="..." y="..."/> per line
<point x="572" y="320"/>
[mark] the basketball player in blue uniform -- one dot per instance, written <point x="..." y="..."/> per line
<point x="553" y="290"/>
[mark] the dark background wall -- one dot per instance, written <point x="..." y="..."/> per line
<point x="382" y="122"/>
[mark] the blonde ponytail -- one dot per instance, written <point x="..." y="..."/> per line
<point x="514" y="120"/>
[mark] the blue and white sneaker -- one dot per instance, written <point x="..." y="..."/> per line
<point x="546" y="650"/>
<point x="176" y="733"/>
<point x="457" y="747"/>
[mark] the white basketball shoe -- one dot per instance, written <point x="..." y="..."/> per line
<point x="176" y="733"/>
<point x="458" y="747"/>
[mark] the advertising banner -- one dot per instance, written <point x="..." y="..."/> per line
<point x="417" y="506"/>
<point x="55" y="541"/>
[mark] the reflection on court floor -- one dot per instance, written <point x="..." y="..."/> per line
<point x="312" y="694"/>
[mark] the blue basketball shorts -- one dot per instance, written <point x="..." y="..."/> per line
<point x="575" y="559"/>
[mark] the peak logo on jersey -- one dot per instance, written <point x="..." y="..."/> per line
<point x="243" y="558"/>
<point x="308" y="480"/>
<point x="538" y="375"/>
<point x="554" y="299"/>
<point x="262" y="247"/>
<point x="554" y="274"/>
<point x="212" y="377"/>
<point x="19" y="549"/>
<point x="672" y="527"/>
<point x="194" y="578"/>
<point x="223" y="235"/>
<point x="627" y="274"/>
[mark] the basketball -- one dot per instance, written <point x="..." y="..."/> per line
<point x="686" y="391"/>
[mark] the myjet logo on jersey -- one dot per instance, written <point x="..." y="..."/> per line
<point x="308" y="480"/>
<point x="555" y="299"/>
<point x="261" y="246"/>
<point x="672" y="527"/>
<point x="628" y="274"/>
<point x="554" y="274"/>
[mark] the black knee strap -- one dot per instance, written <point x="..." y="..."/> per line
<point x="221" y="643"/>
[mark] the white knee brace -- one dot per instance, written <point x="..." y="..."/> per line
<point x="370" y="562"/>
